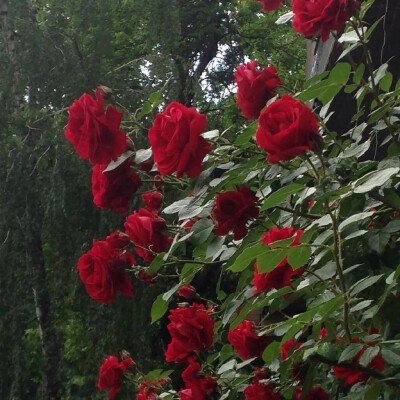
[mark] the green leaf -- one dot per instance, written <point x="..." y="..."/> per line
<point x="230" y="310"/>
<point x="392" y="226"/>
<point x="358" y="74"/>
<point x="159" y="308"/>
<point x="281" y="195"/>
<point x="390" y="356"/>
<point x="369" y="354"/>
<point x="201" y="231"/>
<point x="248" y="255"/>
<point x="270" y="259"/>
<point x="364" y="284"/>
<point x="271" y="352"/>
<point x="114" y="164"/>
<point x="167" y="295"/>
<point x="350" y="352"/>
<point x="156" y="264"/>
<point x="374" y="179"/>
<point x="386" y="82"/>
<point x="354" y="219"/>
<point x="245" y="137"/>
<point x="378" y="240"/>
<point x="299" y="256"/>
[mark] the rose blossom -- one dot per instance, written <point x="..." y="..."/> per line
<point x="315" y="393"/>
<point x="261" y="391"/>
<point x="147" y="389"/>
<point x="255" y="88"/>
<point x="286" y="129"/>
<point x="191" y="330"/>
<point x="233" y="209"/>
<point x="95" y="134"/>
<point x="197" y="387"/>
<point x="322" y="16"/>
<point x="101" y="269"/>
<point x="246" y="341"/>
<point x="176" y="142"/>
<point x="111" y="373"/>
<point x="289" y="347"/>
<point x="352" y="376"/>
<point x="271" y="5"/>
<point x="153" y="200"/>
<point x="283" y="274"/>
<point x="113" y="189"/>
<point x="147" y="231"/>
<point x="187" y="292"/>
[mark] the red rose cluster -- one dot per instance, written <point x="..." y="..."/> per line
<point x="322" y="16"/>
<point x="191" y="330"/>
<point x="148" y="389"/>
<point x="101" y="269"/>
<point x="147" y="232"/>
<point x="255" y="88"/>
<point x="261" y="390"/>
<point x="176" y="142"/>
<point x="233" y="209"/>
<point x="113" y="189"/>
<point x="111" y="373"/>
<point x="283" y="274"/>
<point x="197" y="386"/>
<point x="246" y="341"/>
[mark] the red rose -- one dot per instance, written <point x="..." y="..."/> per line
<point x="352" y="376"/>
<point x="147" y="389"/>
<point x="255" y="88"/>
<point x="147" y="231"/>
<point x="176" y="141"/>
<point x="118" y="240"/>
<point x="246" y="341"/>
<point x="288" y="348"/>
<point x="153" y="200"/>
<point x="95" y="134"/>
<point x="113" y="189"/>
<point x="322" y="16"/>
<point x="233" y="209"/>
<point x="102" y="271"/>
<point x="191" y="330"/>
<point x="260" y="391"/>
<point x="197" y="387"/>
<point x="187" y="292"/>
<point x="271" y="5"/>
<point x="286" y="129"/>
<point x="144" y="276"/>
<point x="315" y="393"/>
<point x="283" y="274"/>
<point x="111" y="373"/>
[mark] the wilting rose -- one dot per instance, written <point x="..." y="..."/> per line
<point x="101" y="269"/>
<point x="246" y="341"/>
<point x="112" y="189"/>
<point x="286" y="129"/>
<point x="153" y="200"/>
<point x="111" y="373"/>
<point x="255" y="88"/>
<point x="283" y="274"/>
<point x="271" y="5"/>
<point x="232" y="210"/>
<point x="95" y="134"/>
<point x="197" y="386"/>
<point x="322" y="16"/>
<point x="176" y="142"/>
<point x="191" y="330"/>
<point x="147" y="232"/>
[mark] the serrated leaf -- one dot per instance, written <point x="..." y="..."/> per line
<point x="156" y="264"/>
<point x="350" y="352"/>
<point x="143" y="155"/>
<point x="285" y="18"/>
<point x="364" y="284"/>
<point x="248" y="255"/>
<point x="369" y="354"/>
<point x="378" y="240"/>
<point x="390" y="356"/>
<point x="201" y="231"/>
<point x="374" y="179"/>
<point x="299" y="256"/>
<point x="354" y="219"/>
<point x="270" y="259"/>
<point x="281" y="195"/>
<point x="271" y="352"/>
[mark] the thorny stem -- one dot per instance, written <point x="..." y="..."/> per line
<point x="312" y="166"/>
<point x="339" y="263"/>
